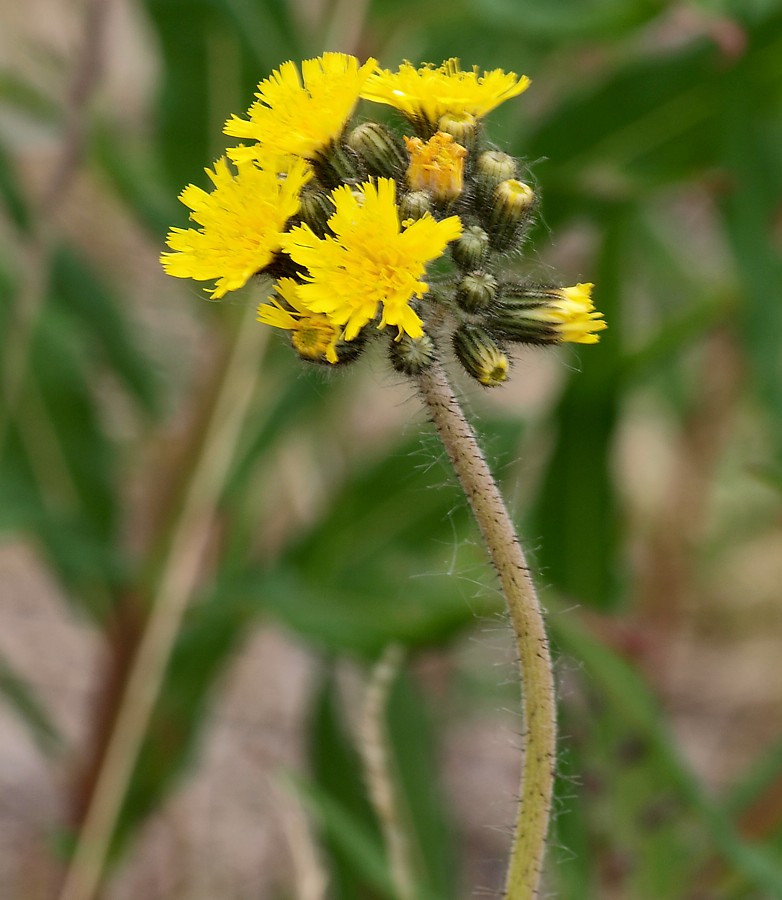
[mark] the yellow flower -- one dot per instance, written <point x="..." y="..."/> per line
<point x="241" y="221"/>
<point x="313" y="335"/>
<point x="573" y="315"/>
<point x="288" y="118"/>
<point x="436" y="166"/>
<point x="372" y="262"/>
<point x="426" y="94"/>
<point x="547" y="315"/>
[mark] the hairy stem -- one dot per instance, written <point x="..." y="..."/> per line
<point x="539" y="703"/>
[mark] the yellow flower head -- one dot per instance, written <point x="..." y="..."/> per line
<point x="371" y="262"/>
<point x="241" y="221"/>
<point x="572" y="314"/>
<point x="436" y="166"/>
<point x="426" y="94"/>
<point x="312" y="334"/>
<point x="302" y="120"/>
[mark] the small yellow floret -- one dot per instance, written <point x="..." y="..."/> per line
<point x="303" y="120"/>
<point x="436" y="166"/>
<point x="373" y="263"/>
<point x="241" y="221"/>
<point x="573" y="315"/>
<point x="427" y="93"/>
<point x="312" y="334"/>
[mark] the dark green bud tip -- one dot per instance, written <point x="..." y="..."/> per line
<point x="411" y="356"/>
<point x="481" y="356"/>
<point x="315" y="209"/>
<point x="476" y="291"/>
<point x="470" y="250"/>
<point x="380" y="150"/>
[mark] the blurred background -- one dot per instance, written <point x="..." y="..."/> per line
<point x="159" y="448"/>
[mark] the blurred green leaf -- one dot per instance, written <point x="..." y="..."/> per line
<point x="350" y="832"/>
<point x="134" y="174"/>
<point x="576" y="509"/>
<point x="340" y="586"/>
<point x="211" y="635"/>
<point x="100" y="317"/>
<point x="567" y="19"/>
<point x="750" y="207"/>
<point x="416" y="764"/>
<point x="19" y="94"/>
<point x="631" y="703"/>
<point x="21" y="697"/>
<point x="11" y="193"/>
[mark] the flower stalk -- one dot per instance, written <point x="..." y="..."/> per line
<point x="539" y="703"/>
<point x="410" y="245"/>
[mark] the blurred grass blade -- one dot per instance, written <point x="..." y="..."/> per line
<point x="363" y="854"/>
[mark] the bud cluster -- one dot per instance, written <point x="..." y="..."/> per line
<point x="398" y="231"/>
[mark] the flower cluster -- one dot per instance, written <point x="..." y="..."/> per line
<point x="369" y="231"/>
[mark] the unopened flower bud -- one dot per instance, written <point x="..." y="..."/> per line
<point x="480" y="354"/>
<point x="414" y="205"/>
<point x="315" y="209"/>
<point x="547" y="315"/>
<point x="471" y="248"/>
<point x="511" y="204"/>
<point x="410" y="356"/>
<point x="492" y="167"/>
<point x="380" y="150"/>
<point x="463" y="126"/>
<point x="336" y="164"/>
<point x="476" y="291"/>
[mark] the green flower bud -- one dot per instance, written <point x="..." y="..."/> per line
<point x="491" y="167"/>
<point x="380" y="150"/>
<point x="511" y="205"/>
<point x="414" y="205"/>
<point x="315" y="209"/>
<point x="470" y="250"/>
<point x="476" y="291"/>
<point x="481" y="356"/>
<point x="336" y="164"/>
<point x="495" y="166"/>
<point x="463" y="126"/>
<point x="410" y="356"/>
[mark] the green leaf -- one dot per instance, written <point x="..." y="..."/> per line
<point x="576" y="510"/>
<point x="630" y="702"/>
<point x="21" y="697"/>
<point x="346" y="584"/>
<point x="101" y="319"/>
<point x="210" y="637"/>
<point x="20" y="95"/>
<point x="417" y="767"/>
<point x="10" y="194"/>
<point x="349" y="830"/>
<point x="749" y="209"/>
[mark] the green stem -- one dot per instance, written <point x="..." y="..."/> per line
<point x="539" y="702"/>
